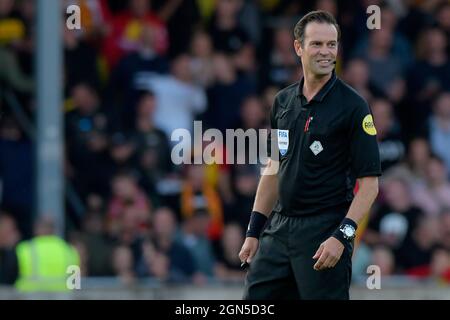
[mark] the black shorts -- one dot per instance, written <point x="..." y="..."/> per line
<point x="283" y="265"/>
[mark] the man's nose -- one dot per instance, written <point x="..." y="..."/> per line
<point x="324" y="51"/>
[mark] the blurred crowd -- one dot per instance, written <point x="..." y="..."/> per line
<point x="139" y="69"/>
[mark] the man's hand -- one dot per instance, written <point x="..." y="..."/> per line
<point x="248" y="249"/>
<point x="329" y="253"/>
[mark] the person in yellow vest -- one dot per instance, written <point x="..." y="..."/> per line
<point x="43" y="261"/>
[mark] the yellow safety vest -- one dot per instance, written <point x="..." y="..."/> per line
<point x="43" y="263"/>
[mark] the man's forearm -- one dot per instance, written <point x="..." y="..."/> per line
<point x="266" y="194"/>
<point x="364" y="198"/>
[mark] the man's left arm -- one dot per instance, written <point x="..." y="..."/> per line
<point x="364" y="198"/>
<point x="365" y="165"/>
<point x="331" y="250"/>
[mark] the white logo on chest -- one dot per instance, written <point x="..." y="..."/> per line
<point x="316" y="147"/>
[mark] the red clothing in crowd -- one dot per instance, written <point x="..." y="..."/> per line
<point x="125" y="35"/>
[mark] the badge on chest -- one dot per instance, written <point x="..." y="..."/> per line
<point x="316" y="147"/>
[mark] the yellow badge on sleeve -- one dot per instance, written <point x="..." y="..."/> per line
<point x="368" y="125"/>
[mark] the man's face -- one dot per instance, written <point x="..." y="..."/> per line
<point x="319" y="49"/>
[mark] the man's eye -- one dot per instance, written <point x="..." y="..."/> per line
<point x="332" y="45"/>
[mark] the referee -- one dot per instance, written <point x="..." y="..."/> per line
<point x="326" y="140"/>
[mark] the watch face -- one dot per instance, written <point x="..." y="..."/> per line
<point x="349" y="231"/>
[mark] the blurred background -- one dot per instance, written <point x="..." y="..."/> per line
<point x="86" y="160"/>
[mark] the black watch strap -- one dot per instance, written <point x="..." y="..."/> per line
<point x="339" y="234"/>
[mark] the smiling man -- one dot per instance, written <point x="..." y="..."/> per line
<point x="327" y="141"/>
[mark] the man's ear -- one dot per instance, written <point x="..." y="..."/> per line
<point x="298" y="48"/>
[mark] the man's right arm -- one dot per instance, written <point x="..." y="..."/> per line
<point x="267" y="192"/>
<point x="266" y="197"/>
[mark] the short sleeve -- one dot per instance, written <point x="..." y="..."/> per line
<point x="364" y="153"/>
<point x="271" y="138"/>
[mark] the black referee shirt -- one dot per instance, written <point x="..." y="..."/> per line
<point x="324" y="145"/>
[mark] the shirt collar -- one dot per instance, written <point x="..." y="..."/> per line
<point x="323" y="91"/>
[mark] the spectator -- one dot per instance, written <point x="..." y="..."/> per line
<point x="153" y="263"/>
<point x="392" y="149"/>
<point x="11" y="73"/>
<point x="245" y="63"/>
<point x="414" y="256"/>
<point x="392" y="224"/>
<point x="252" y="114"/>
<point x="99" y="251"/>
<point x="282" y="60"/>
<point x="151" y="142"/>
<point x="357" y="74"/>
<point x="429" y="75"/>
<point x="327" y="5"/>
<point x="433" y="196"/>
<point x="12" y="28"/>
<point x="245" y="180"/>
<point x="85" y="115"/>
<point x="26" y="11"/>
<point x="82" y="251"/>
<point x="442" y="16"/>
<point x="195" y="237"/>
<point x="439" y="128"/>
<point x="181" y="18"/>
<point x="383" y="258"/>
<point x="414" y="167"/>
<point x="385" y="67"/>
<point x="416" y="17"/>
<point x="123" y="152"/>
<point x="132" y="70"/>
<point x="226" y="95"/>
<point x="268" y="98"/>
<point x="87" y="142"/>
<point x="181" y="264"/>
<point x="251" y="20"/>
<point x="17" y="174"/>
<point x="176" y="95"/>
<point x="418" y="156"/>
<point x="229" y="265"/>
<point x="444" y="223"/>
<point x="126" y="30"/>
<point x="78" y="52"/>
<point x="122" y="264"/>
<point x="9" y="237"/>
<point x="198" y="194"/>
<point x="94" y="17"/>
<point x="227" y="35"/>
<point x="400" y="44"/>
<point x="440" y="265"/>
<point x="129" y="210"/>
<point x="202" y="59"/>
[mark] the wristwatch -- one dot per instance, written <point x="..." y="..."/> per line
<point x="348" y="231"/>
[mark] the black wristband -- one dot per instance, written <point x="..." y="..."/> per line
<point x="350" y="222"/>
<point x="338" y="233"/>
<point x="256" y="224"/>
